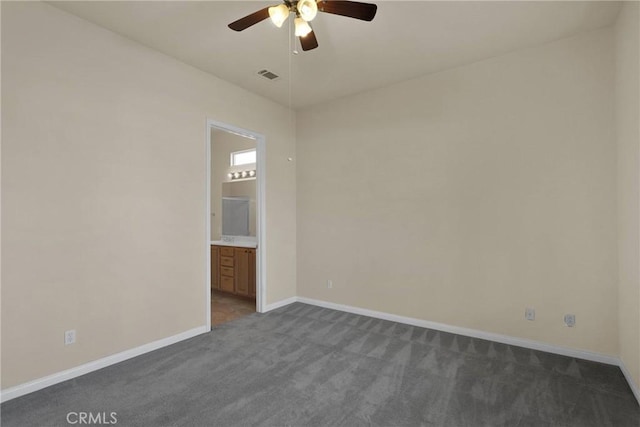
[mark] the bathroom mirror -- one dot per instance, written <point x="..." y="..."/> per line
<point x="239" y="208"/>
<point x="235" y="216"/>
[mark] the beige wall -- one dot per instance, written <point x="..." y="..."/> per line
<point x="222" y="145"/>
<point x="628" y="138"/>
<point x="463" y="197"/>
<point x="460" y="197"/>
<point x="103" y="187"/>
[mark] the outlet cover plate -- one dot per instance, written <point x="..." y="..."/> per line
<point x="570" y="320"/>
<point x="530" y="313"/>
<point x="70" y="337"/>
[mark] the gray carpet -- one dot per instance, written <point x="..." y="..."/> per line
<point x="307" y="366"/>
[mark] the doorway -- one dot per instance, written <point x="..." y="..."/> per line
<point x="235" y="284"/>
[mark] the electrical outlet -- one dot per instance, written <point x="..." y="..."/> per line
<point x="70" y="337"/>
<point x="570" y="320"/>
<point x="329" y="284"/>
<point x="530" y="313"/>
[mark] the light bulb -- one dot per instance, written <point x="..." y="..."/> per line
<point x="252" y="173"/>
<point x="302" y="28"/>
<point x="236" y="175"/>
<point x="308" y="9"/>
<point x="230" y="175"/>
<point x="279" y="14"/>
<point x="244" y="174"/>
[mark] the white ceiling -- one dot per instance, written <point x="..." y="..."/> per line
<point x="406" y="39"/>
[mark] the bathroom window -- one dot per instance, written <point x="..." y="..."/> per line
<point x="244" y="157"/>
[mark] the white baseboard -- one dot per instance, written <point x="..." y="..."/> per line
<point x="630" y="380"/>
<point x="280" y="303"/>
<point x="474" y="333"/>
<point x="49" y="380"/>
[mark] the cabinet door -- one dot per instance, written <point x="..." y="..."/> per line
<point x="241" y="273"/>
<point x="215" y="267"/>
<point x="226" y="284"/>
<point x="252" y="272"/>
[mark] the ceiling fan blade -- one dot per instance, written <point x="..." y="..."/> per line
<point x="309" y="41"/>
<point x="249" y="20"/>
<point x="352" y="9"/>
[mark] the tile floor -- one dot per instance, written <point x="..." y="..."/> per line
<point x="226" y="307"/>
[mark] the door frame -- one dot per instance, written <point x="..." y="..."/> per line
<point x="261" y="253"/>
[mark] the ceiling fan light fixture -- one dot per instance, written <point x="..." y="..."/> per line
<point x="308" y="9"/>
<point x="279" y="14"/>
<point x="304" y="12"/>
<point x="302" y="27"/>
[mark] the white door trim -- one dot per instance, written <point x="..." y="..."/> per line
<point x="261" y="282"/>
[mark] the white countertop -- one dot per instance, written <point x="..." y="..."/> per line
<point x="236" y="243"/>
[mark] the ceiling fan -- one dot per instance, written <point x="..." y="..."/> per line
<point x="305" y="11"/>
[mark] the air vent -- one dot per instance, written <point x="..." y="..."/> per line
<point x="268" y="75"/>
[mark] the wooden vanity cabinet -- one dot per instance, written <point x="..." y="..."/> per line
<point x="234" y="270"/>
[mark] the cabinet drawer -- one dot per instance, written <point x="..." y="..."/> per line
<point x="226" y="251"/>
<point x="226" y="261"/>
<point x="226" y="284"/>
<point x="226" y="271"/>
